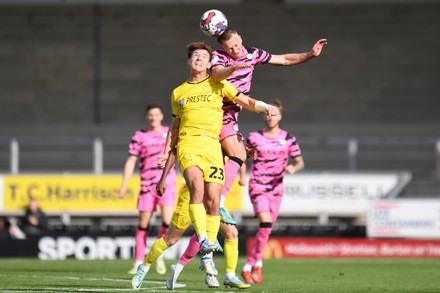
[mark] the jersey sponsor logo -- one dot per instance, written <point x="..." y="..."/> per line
<point x="198" y="99"/>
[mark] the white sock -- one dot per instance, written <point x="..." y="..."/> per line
<point x="247" y="268"/>
<point x="202" y="237"/>
<point x="179" y="267"/>
<point x="138" y="262"/>
<point x="222" y="201"/>
<point x="258" y="263"/>
<point x="230" y="276"/>
<point x="146" y="268"/>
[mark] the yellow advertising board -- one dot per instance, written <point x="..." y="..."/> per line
<point x="69" y="192"/>
<point x="62" y="193"/>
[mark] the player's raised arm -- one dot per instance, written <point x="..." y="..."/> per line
<point x="298" y="58"/>
<point x="220" y="72"/>
<point x="254" y="105"/>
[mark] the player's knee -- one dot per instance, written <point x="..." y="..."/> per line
<point x="234" y="148"/>
<point x="212" y="206"/>
<point x="265" y="225"/>
<point x="236" y="160"/>
<point x="143" y="228"/>
<point x="230" y="232"/>
<point x="170" y="239"/>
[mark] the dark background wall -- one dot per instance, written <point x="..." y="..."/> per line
<point x="100" y="65"/>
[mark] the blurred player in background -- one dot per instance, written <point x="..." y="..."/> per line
<point x="147" y="144"/>
<point x="274" y="146"/>
<point x="235" y="63"/>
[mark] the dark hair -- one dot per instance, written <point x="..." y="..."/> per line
<point x="226" y="35"/>
<point x="198" y="45"/>
<point x="153" y="106"/>
<point x="277" y="103"/>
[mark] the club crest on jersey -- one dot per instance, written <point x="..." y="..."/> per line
<point x="235" y="127"/>
<point x="187" y="157"/>
<point x="214" y="60"/>
<point x="164" y="135"/>
<point x="181" y="103"/>
<point x="282" y="141"/>
<point x="249" y="56"/>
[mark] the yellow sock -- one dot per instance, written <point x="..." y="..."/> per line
<point x="212" y="227"/>
<point x="198" y="217"/>
<point x="231" y="255"/>
<point x="156" y="250"/>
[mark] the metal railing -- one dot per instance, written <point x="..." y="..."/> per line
<point x="353" y="146"/>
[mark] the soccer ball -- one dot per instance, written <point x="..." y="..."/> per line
<point x="213" y="23"/>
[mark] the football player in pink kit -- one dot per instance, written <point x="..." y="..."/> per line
<point x="274" y="146"/>
<point x="147" y="144"/>
<point x="235" y="63"/>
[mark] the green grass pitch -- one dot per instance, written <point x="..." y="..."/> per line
<point x="285" y="275"/>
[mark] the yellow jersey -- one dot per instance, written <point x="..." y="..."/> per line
<point x="199" y="106"/>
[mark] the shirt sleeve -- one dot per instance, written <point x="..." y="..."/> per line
<point x="174" y="105"/>
<point x="229" y="90"/>
<point x="134" y="148"/>
<point x="294" y="150"/>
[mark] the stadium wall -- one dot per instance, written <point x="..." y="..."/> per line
<point x="88" y="65"/>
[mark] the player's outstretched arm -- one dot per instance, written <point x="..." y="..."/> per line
<point x="298" y="58"/>
<point x="254" y="105"/>
<point x="220" y="72"/>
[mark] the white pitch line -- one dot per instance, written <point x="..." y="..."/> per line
<point x="57" y="289"/>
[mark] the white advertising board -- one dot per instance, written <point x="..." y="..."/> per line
<point x="339" y="194"/>
<point x="404" y="219"/>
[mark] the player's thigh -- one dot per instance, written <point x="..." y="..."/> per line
<point x="234" y="146"/>
<point x="204" y="153"/>
<point x="194" y="180"/>
<point x="265" y="217"/>
<point x="147" y="199"/>
<point x="260" y="201"/>
<point x="166" y="213"/>
<point x="144" y="219"/>
<point x="275" y="205"/>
